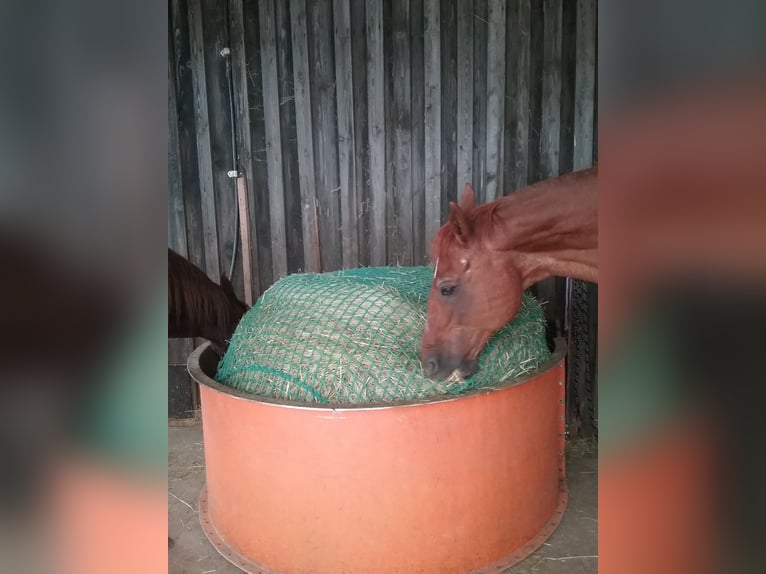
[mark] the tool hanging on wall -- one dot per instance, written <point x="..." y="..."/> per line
<point x="242" y="227"/>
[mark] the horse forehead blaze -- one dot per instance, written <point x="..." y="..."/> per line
<point x="443" y="268"/>
<point x="446" y="254"/>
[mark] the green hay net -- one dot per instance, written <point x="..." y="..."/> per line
<point x="353" y="337"/>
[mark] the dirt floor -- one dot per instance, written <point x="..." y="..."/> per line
<point x="573" y="547"/>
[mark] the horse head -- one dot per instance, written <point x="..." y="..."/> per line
<point x="474" y="292"/>
<point x="484" y="257"/>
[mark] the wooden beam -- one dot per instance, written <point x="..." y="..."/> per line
<point x="176" y="208"/>
<point x="419" y="240"/>
<point x="273" y="138"/>
<point x="249" y="241"/>
<point x="187" y="136"/>
<point x="585" y="85"/>
<point x="479" y="25"/>
<point x="344" y="84"/>
<point x="178" y="349"/>
<point x="551" y="289"/>
<point x="291" y="183"/>
<point x="521" y="102"/>
<point x="465" y="82"/>
<point x="214" y="24"/>
<point x="323" y="109"/>
<point x="568" y="60"/>
<point x="377" y="132"/>
<point x="402" y="140"/>
<point x="306" y="176"/>
<point x="495" y="98"/>
<point x="204" y="155"/>
<point x="361" y="139"/>
<point x="536" y="49"/>
<point x="551" y="109"/>
<point x="433" y="136"/>
<point x="448" y="88"/>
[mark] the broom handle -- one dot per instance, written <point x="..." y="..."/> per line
<point x="244" y="234"/>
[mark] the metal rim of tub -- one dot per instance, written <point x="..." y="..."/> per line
<point x="228" y="552"/>
<point x="199" y="376"/>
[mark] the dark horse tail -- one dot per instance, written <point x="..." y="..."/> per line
<point x="198" y="307"/>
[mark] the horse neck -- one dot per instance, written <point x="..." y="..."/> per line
<point x="220" y="318"/>
<point x="548" y="229"/>
<point x="198" y="306"/>
<point x="194" y="317"/>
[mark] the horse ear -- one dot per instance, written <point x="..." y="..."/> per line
<point x="459" y="223"/>
<point x="226" y="285"/>
<point x="468" y="201"/>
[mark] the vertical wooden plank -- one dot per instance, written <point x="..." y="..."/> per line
<point x="433" y="137"/>
<point x="215" y="23"/>
<point x="536" y="38"/>
<point x="178" y="349"/>
<point x="187" y="132"/>
<point x="464" y="94"/>
<point x="402" y="99"/>
<point x="595" y="91"/>
<point x="361" y="140"/>
<point x="176" y="211"/>
<point x="479" y="18"/>
<point x="344" y="85"/>
<point x="551" y="289"/>
<point x="377" y="132"/>
<point x="509" y="141"/>
<point x="325" y="132"/>
<point x="568" y="63"/>
<point x="419" y="243"/>
<point x="495" y="98"/>
<point x="242" y="120"/>
<point x="388" y="114"/>
<point x="585" y="70"/>
<point x="273" y="137"/>
<point x="204" y="156"/>
<point x="258" y="195"/>
<point x="519" y="101"/>
<point x="551" y="109"/>
<point x="307" y="179"/>
<point x="293" y="203"/>
<point x="448" y="26"/>
<point x="595" y="109"/>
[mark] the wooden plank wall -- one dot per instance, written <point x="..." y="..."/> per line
<point x="357" y="123"/>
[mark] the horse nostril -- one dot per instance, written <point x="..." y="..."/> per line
<point x="431" y="367"/>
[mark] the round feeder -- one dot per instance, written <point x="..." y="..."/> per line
<point x="472" y="483"/>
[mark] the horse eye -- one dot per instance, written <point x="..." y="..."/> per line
<point x="447" y="290"/>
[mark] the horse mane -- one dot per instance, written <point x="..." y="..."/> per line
<point x="198" y="304"/>
<point x="550" y="225"/>
<point x="553" y="213"/>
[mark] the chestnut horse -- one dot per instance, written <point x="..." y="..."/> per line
<point x="485" y="257"/>
<point x="197" y="307"/>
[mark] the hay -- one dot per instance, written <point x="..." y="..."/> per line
<point x="353" y="337"/>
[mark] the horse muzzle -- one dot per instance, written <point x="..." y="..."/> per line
<point x="439" y="366"/>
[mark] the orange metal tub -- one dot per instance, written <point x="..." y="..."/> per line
<point x="464" y="484"/>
